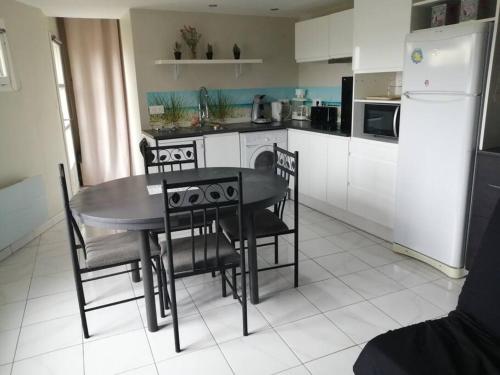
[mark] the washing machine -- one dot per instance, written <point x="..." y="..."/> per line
<point x="257" y="148"/>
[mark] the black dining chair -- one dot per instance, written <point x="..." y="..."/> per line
<point x="465" y="342"/>
<point x="168" y="158"/>
<point x="270" y="223"/>
<point x="208" y="252"/>
<point x="101" y="253"/>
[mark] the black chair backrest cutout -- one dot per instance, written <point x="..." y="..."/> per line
<point x="168" y="158"/>
<point x="286" y="165"/>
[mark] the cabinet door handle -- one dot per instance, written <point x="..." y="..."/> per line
<point x="494" y="186"/>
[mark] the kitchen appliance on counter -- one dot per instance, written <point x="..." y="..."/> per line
<point x="281" y="110"/>
<point x="443" y="82"/>
<point x="256" y="148"/>
<point x="381" y="120"/>
<point x="261" y="110"/>
<point x="346" y="105"/>
<point x="324" y="117"/>
<point x="300" y="110"/>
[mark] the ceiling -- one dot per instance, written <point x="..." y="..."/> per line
<point x="117" y="8"/>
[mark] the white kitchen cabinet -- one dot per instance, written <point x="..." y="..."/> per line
<point x="323" y="162"/>
<point x="380" y="28"/>
<point x="298" y="141"/>
<point x="337" y="170"/>
<point x="372" y="180"/>
<point x="311" y="40"/>
<point x="340" y="34"/>
<point x="222" y="150"/>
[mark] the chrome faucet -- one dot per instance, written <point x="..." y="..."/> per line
<point x="203" y="106"/>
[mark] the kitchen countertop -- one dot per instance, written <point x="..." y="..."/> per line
<point x="242" y="127"/>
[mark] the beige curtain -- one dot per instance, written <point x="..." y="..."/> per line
<point x="96" y="69"/>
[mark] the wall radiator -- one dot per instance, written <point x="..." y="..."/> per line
<point x="23" y="209"/>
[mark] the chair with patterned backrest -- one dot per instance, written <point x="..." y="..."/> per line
<point x="207" y="252"/>
<point x="101" y="253"/>
<point x="271" y="223"/>
<point x="168" y="157"/>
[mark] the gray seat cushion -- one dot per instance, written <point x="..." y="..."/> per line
<point x="115" y="248"/>
<point x="182" y="251"/>
<point x="266" y="224"/>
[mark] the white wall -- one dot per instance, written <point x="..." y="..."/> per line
<point x="154" y="33"/>
<point x="31" y="141"/>
<point x="322" y="74"/>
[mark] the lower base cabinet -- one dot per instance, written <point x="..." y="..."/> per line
<point x="222" y="150"/>
<point x="323" y="161"/>
<point x="372" y="180"/>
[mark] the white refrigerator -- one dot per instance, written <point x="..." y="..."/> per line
<point x="443" y="76"/>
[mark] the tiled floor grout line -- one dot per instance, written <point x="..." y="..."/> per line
<point x="24" y="310"/>
<point x="211" y="333"/>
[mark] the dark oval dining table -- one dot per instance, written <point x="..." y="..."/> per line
<point x="125" y="204"/>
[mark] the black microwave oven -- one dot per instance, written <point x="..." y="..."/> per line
<point x="382" y="120"/>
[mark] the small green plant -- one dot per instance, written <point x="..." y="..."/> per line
<point x="220" y="107"/>
<point x="191" y="36"/>
<point x="177" y="47"/>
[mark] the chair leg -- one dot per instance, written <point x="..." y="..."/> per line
<point x="223" y="279"/>
<point x="81" y="304"/>
<point x="200" y="230"/>
<point x="213" y="274"/>
<point x="296" y="258"/>
<point x="160" y="286"/>
<point x="173" y="308"/>
<point x="235" y="286"/>
<point x="276" y="260"/>
<point x="165" y="286"/>
<point x="244" y="299"/>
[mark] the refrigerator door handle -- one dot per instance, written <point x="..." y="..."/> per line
<point x="408" y="94"/>
<point x="395" y="122"/>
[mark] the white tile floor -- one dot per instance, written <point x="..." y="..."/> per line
<point x="352" y="288"/>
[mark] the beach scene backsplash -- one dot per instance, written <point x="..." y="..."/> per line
<point x="240" y="101"/>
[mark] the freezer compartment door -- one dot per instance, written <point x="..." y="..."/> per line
<point x="436" y="145"/>
<point x="436" y="61"/>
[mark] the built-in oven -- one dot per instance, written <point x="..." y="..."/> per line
<point x="381" y="120"/>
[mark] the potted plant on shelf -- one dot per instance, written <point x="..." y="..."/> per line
<point x="236" y="52"/>
<point x="220" y="107"/>
<point x="210" y="51"/>
<point x="191" y="36"/>
<point x="177" y="51"/>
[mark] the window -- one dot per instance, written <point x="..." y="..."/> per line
<point x="64" y="110"/>
<point x="7" y="81"/>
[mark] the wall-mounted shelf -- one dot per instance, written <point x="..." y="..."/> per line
<point x="237" y="64"/>
<point x="421" y="12"/>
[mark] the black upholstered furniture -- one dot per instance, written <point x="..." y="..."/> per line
<point x="466" y="342"/>
<point x="101" y="253"/>
<point x="208" y="252"/>
<point x="270" y="223"/>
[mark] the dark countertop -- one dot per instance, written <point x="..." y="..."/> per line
<point x="491" y="151"/>
<point x="242" y="127"/>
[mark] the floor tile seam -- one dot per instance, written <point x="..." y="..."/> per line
<point x="209" y="330"/>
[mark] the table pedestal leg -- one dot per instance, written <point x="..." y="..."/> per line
<point x="253" y="271"/>
<point x="147" y="279"/>
<point x="136" y="275"/>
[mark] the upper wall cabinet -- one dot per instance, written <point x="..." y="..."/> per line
<point x="340" y="31"/>
<point x="324" y="38"/>
<point x="380" y="28"/>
